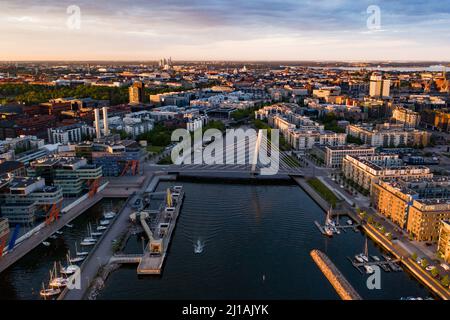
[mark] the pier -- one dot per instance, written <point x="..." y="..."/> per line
<point x="159" y="234"/>
<point x="336" y="278"/>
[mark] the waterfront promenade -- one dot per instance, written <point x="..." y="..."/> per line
<point x="44" y="231"/>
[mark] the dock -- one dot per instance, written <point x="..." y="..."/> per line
<point x="334" y="275"/>
<point x="159" y="234"/>
<point x="387" y="265"/>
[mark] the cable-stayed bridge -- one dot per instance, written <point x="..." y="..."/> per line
<point x="244" y="153"/>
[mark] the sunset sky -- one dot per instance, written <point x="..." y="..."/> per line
<point x="224" y="30"/>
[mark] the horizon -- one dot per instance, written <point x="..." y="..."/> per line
<point x="264" y="30"/>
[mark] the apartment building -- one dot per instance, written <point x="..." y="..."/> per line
<point x="444" y="240"/>
<point x="417" y="205"/>
<point x="366" y="170"/>
<point x="406" y="117"/>
<point x="389" y="135"/>
<point x="334" y="155"/>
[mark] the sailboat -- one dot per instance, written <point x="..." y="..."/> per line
<point x="365" y="255"/>
<point x="55" y="281"/>
<point x="94" y="234"/>
<point x="49" y="292"/>
<point x="76" y="259"/>
<point x="70" y="269"/>
<point x="80" y="253"/>
<point x="89" y="240"/>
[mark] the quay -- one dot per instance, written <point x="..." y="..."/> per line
<point x="159" y="234"/>
<point x="343" y="288"/>
<point x="41" y="232"/>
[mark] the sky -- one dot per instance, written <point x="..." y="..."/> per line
<point x="349" y="30"/>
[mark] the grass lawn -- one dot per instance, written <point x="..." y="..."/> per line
<point x="324" y="192"/>
<point x="155" y="149"/>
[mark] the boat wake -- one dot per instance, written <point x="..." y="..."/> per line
<point x="199" y="246"/>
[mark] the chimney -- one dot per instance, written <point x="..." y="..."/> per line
<point x="105" y="121"/>
<point x="97" y="123"/>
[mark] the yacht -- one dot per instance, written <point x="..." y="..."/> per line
<point x="104" y="222"/>
<point x="49" y="292"/>
<point x="101" y="228"/>
<point x="369" y="269"/>
<point x="59" y="232"/>
<point x="55" y="281"/>
<point x="80" y="253"/>
<point x="46" y="243"/>
<point x="349" y="222"/>
<point x="69" y="225"/>
<point x="109" y="215"/>
<point x="358" y="258"/>
<point x="375" y="258"/>
<point x="86" y="243"/>
<point x="70" y="269"/>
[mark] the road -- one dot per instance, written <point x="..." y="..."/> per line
<point x="102" y="252"/>
<point x="37" y="238"/>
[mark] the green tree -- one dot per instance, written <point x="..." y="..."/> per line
<point x="424" y="263"/>
<point x="445" y="281"/>
<point x="414" y="256"/>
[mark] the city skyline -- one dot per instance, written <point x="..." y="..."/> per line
<point x="224" y="30"/>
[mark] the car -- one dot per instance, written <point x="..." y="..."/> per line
<point x="419" y="261"/>
<point x="445" y="266"/>
<point x="429" y="268"/>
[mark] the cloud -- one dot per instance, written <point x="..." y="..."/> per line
<point x="200" y="28"/>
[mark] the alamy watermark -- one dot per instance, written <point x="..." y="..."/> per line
<point x="74" y="19"/>
<point x="373" y="21"/>
<point x="238" y="147"/>
<point x="374" y="280"/>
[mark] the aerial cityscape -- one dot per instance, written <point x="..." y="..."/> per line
<point x="177" y="151"/>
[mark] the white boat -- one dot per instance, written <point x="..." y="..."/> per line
<point x="77" y="259"/>
<point x="109" y="215"/>
<point x="198" y="247"/>
<point x="375" y="258"/>
<point x="101" y="228"/>
<point x="87" y="243"/>
<point x="69" y="225"/>
<point x="349" y="222"/>
<point x="55" y="281"/>
<point x="328" y="231"/>
<point x="358" y="258"/>
<point x="80" y="253"/>
<point x="45" y="243"/>
<point x="53" y="236"/>
<point x="49" y="293"/>
<point x="369" y="269"/>
<point x="59" y="232"/>
<point x="104" y="222"/>
<point x="70" y="269"/>
<point x="364" y="257"/>
<point x="96" y="234"/>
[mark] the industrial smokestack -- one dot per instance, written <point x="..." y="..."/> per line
<point x="105" y="121"/>
<point x="97" y="123"/>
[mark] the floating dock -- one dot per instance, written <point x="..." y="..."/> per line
<point x="336" y="278"/>
<point x="159" y="233"/>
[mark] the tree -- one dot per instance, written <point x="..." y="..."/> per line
<point x="445" y="281"/>
<point x="424" y="263"/>
<point x="434" y="272"/>
<point x="414" y="256"/>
